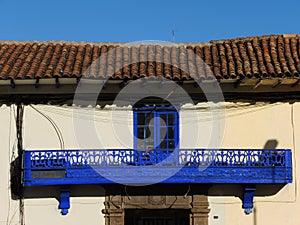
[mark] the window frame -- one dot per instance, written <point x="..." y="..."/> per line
<point x="157" y="111"/>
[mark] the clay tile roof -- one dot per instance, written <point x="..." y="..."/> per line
<point x="251" y="57"/>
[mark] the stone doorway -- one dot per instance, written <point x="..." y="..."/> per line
<point x="120" y="209"/>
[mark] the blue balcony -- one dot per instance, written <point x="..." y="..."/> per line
<point x="66" y="167"/>
<point x="225" y="166"/>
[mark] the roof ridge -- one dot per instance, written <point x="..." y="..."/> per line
<point x="148" y="41"/>
<point x="249" y="38"/>
<point x="107" y="43"/>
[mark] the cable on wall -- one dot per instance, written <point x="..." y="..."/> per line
<point x="54" y="125"/>
<point x="231" y="111"/>
<point x="19" y="125"/>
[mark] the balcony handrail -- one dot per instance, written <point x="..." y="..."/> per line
<point x="60" y="159"/>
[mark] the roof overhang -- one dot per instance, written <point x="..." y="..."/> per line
<point x="62" y="90"/>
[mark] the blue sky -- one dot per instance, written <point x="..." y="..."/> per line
<point x="128" y="21"/>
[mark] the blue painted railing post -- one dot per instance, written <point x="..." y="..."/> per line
<point x="248" y="199"/>
<point x="248" y="158"/>
<point x="289" y="165"/>
<point x="288" y="158"/>
<point x="64" y="200"/>
<point x="27" y="166"/>
<point x="68" y="160"/>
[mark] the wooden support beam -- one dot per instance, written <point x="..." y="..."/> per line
<point x="64" y="201"/>
<point x="248" y="199"/>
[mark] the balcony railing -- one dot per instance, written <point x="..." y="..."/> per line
<point x="67" y="167"/>
<point x="64" y="167"/>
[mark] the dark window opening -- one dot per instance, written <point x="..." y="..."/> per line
<point x="157" y="217"/>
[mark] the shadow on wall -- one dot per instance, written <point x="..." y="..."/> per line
<point x="271" y="144"/>
<point x="16" y="186"/>
<point x="18" y="191"/>
<point x="236" y="190"/>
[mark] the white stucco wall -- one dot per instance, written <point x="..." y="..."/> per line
<point x="9" y="209"/>
<point x="246" y="126"/>
<point x="95" y="131"/>
<point x="251" y="128"/>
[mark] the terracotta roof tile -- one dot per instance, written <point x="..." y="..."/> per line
<point x="86" y="59"/>
<point x="254" y="57"/>
<point x="11" y="58"/>
<point x="224" y="64"/>
<point x="175" y="63"/>
<point x="126" y="62"/>
<point x="158" y="61"/>
<point x="231" y="63"/>
<point x="143" y="61"/>
<point x="199" y="63"/>
<point x="134" y="66"/>
<point x="27" y="62"/>
<point x="78" y="61"/>
<point x="167" y="67"/>
<point x="290" y="61"/>
<point x="20" y="60"/>
<point x="267" y="58"/>
<point x="260" y="58"/>
<point x="274" y="56"/>
<point x="59" y="70"/>
<point x="151" y="61"/>
<point x="70" y="61"/>
<point x="295" y="55"/>
<point x="111" y="62"/>
<point x="94" y="68"/>
<point x="40" y="73"/>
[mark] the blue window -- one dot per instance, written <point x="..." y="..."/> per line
<point x="156" y="131"/>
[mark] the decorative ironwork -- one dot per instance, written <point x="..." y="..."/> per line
<point x="196" y="166"/>
<point x="67" y="167"/>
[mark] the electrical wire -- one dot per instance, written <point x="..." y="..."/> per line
<point x="188" y="119"/>
<point x="9" y="159"/>
<point x="54" y="125"/>
<point x="185" y="195"/>
<point x="294" y="155"/>
<point x="19" y="125"/>
<point x="129" y="198"/>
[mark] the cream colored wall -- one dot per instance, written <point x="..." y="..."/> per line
<point x="40" y="134"/>
<point x="245" y="127"/>
<point x="252" y="128"/>
<point x="95" y="130"/>
<point x="84" y="210"/>
<point x="81" y="128"/>
<point x="9" y="209"/>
